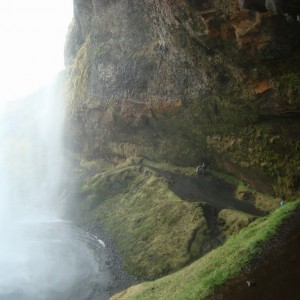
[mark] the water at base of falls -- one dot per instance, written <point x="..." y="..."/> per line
<point x="56" y="261"/>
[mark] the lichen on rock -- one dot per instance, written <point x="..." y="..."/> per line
<point x="159" y="77"/>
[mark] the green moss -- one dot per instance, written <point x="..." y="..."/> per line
<point x="285" y="76"/>
<point x="262" y="201"/>
<point x="210" y="76"/>
<point x="234" y="220"/>
<point x="199" y="280"/>
<point x="274" y="154"/>
<point x="155" y="230"/>
<point x="170" y="167"/>
<point x="226" y="177"/>
<point x="77" y="75"/>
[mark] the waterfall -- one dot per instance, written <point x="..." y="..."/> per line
<point x="42" y="256"/>
<point x="31" y="156"/>
<point x="30" y="176"/>
<point x="31" y="164"/>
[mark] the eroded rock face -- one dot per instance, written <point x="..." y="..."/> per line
<point x="289" y="7"/>
<point x="176" y="80"/>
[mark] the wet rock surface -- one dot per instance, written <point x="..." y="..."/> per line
<point x="120" y="279"/>
<point x="183" y="80"/>
<point x="274" y="273"/>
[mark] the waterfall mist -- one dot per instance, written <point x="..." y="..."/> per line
<point x="30" y="156"/>
<point x="42" y="256"/>
<point x="30" y="170"/>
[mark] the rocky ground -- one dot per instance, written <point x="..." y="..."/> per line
<point x="114" y="263"/>
<point x="274" y="273"/>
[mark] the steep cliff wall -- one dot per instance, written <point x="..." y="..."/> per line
<point x="185" y="81"/>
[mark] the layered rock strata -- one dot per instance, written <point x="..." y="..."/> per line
<point x="186" y="81"/>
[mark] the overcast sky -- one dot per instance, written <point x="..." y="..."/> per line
<point x="32" y="34"/>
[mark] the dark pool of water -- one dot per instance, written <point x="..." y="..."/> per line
<point x="53" y="260"/>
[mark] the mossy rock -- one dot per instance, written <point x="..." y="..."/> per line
<point x="234" y="220"/>
<point x="264" y="202"/>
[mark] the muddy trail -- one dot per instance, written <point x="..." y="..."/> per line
<point x="209" y="189"/>
<point x="274" y="273"/>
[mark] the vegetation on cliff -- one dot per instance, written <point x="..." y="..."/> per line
<point x="179" y="82"/>
<point x="160" y="216"/>
<point x="185" y="81"/>
<point x="155" y="230"/>
<point x="199" y="280"/>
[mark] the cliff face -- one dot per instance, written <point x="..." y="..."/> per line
<point x="186" y="81"/>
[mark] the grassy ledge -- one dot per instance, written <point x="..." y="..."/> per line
<point x="154" y="229"/>
<point x="198" y="280"/>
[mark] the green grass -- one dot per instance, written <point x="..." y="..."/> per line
<point x="189" y="171"/>
<point x="154" y="229"/>
<point x="156" y="232"/>
<point x="235" y="220"/>
<point x="198" y="280"/>
<point x="226" y="177"/>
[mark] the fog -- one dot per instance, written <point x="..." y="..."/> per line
<point x="42" y="256"/>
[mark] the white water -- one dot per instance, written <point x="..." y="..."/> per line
<point x="41" y="256"/>
<point x="31" y="162"/>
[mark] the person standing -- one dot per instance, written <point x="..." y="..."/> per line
<point x="200" y="170"/>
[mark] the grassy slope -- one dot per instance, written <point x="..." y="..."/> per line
<point x="154" y="229"/>
<point x="198" y="280"/>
